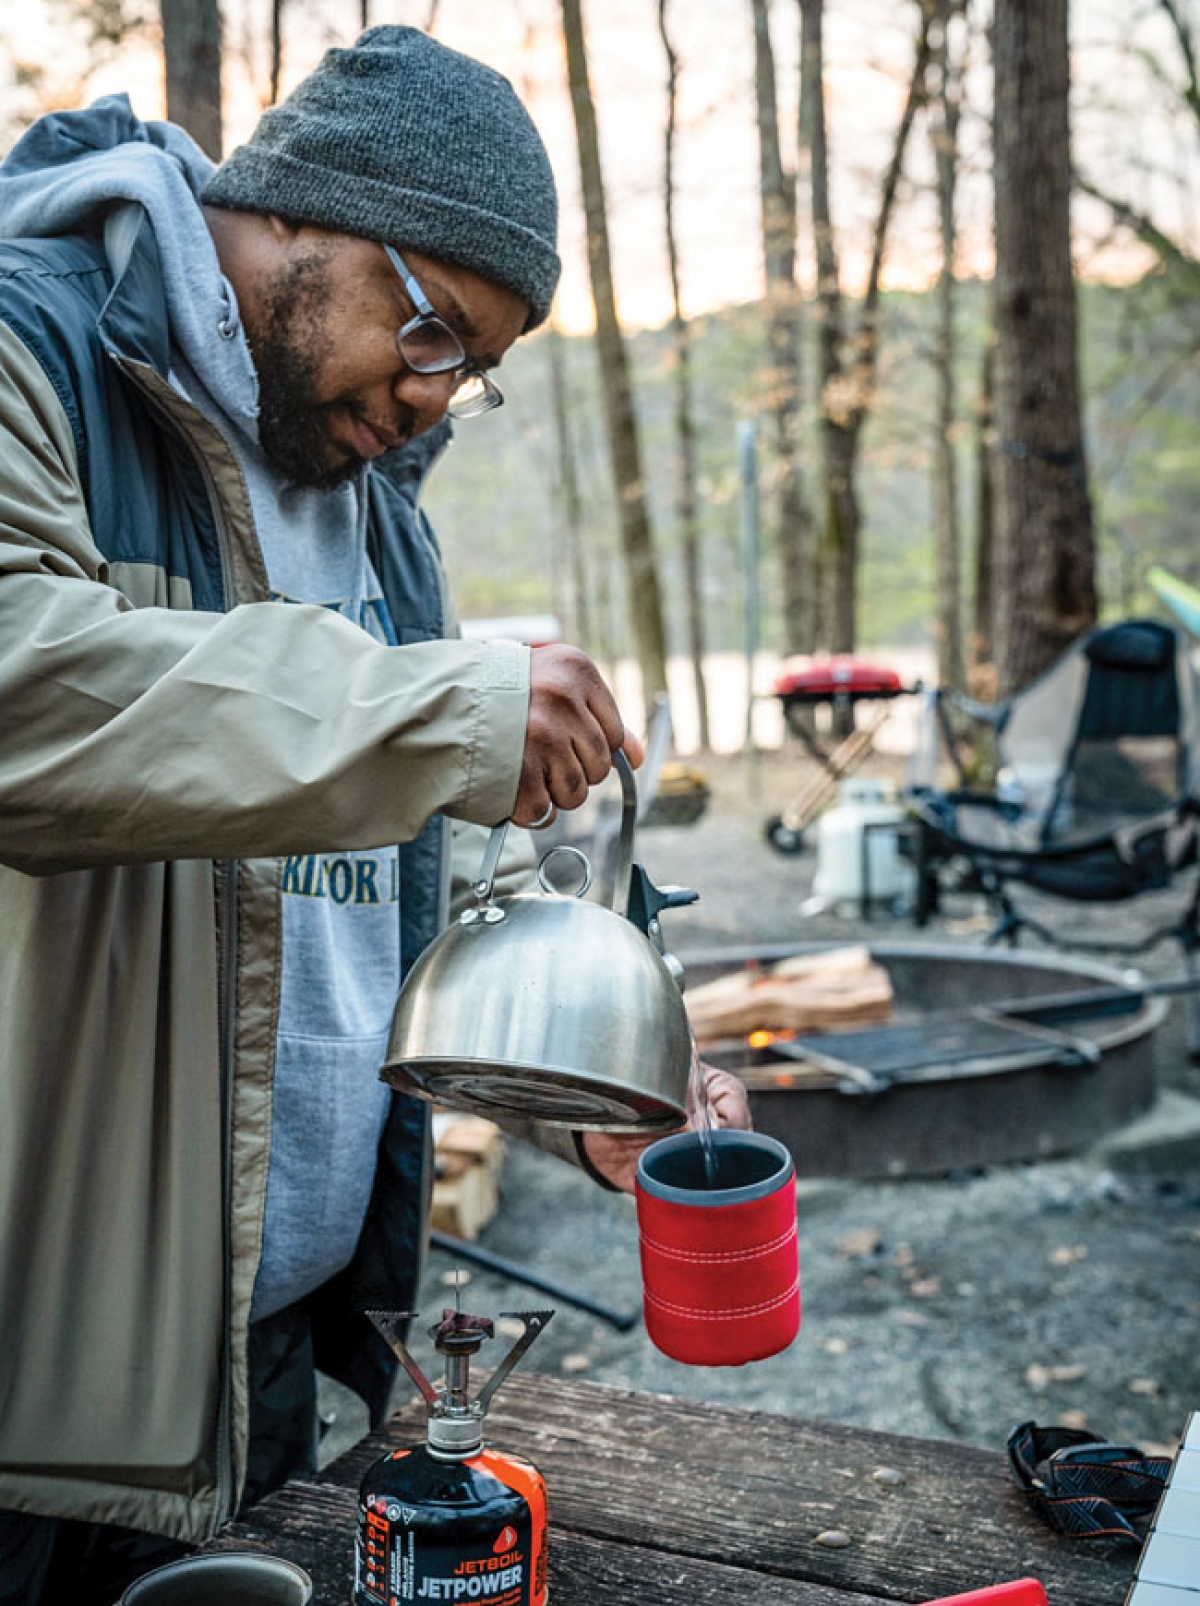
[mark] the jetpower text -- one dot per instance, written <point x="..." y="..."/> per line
<point x="472" y="1586"/>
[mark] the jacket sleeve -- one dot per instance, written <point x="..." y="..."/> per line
<point x="142" y="734"/>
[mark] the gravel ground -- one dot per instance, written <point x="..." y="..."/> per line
<point x="956" y="1307"/>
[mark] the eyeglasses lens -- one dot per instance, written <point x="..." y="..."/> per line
<point x="430" y="346"/>
<point x="476" y="394"/>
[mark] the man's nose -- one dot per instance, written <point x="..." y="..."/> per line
<point x="427" y="394"/>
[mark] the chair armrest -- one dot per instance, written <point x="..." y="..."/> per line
<point x="993" y="714"/>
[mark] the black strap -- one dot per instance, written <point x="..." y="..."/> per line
<point x="1084" y="1486"/>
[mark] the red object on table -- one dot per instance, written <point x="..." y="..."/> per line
<point x="1021" y="1592"/>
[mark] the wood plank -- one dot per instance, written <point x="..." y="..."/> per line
<point x="585" y="1570"/>
<point x="312" y="1524"/>
<point x="752" y="1490"/>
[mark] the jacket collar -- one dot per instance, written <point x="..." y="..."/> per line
<point x="134" y="323"/>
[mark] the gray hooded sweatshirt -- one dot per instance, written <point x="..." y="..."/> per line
<point x="341" y="913"/>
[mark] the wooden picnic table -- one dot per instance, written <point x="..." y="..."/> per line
<point x="660" y="1501"/>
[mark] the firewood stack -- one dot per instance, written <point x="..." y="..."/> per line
<point x="839" y="990"/>
<point x="468" y="1153"/>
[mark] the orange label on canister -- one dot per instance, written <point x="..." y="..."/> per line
<point x="527" y="1481"/>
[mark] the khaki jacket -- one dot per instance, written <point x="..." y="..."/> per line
<point x="155" y="759"/>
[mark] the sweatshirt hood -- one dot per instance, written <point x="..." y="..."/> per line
<point x="103" y="169"/>
<point x="89" y="169"/>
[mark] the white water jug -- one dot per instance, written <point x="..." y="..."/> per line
<point x="852" y="862"/>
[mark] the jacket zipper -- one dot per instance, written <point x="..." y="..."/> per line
<point x="226" y="1002"/>
<point x="226" y="982"/>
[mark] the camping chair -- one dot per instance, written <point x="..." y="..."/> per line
<point x="1097" y="798"/>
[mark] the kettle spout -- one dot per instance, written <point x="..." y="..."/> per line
<point x="646" y="903"/>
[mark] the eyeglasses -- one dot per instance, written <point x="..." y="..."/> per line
<point x="429" y="346"/>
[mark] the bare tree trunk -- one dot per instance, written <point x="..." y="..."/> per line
<point x="685" y="430"/>
<point x="637" y="539"/>
<point x="847" y="379"/>
<point x="782" y="378"/>
<point x="1047" y="591"/>
<point x="610" y="629"/>
<point x="983" y="633"/>
<point x="829" y="312"/>
<point x="946" y="102"/>
<point x="276" y="48"/>
<point x="568" y="497"/>
<point x="364" y="15"/>
<point x="192" y="51"/>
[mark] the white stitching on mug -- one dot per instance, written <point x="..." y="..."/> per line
<point x="720" y="1257"/>
<point x="740" y="1314"/>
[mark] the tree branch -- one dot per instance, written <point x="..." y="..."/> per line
<point x="1171" y="255"/>
<point x="1187" y="49"/>
<point x="866" y="341"/>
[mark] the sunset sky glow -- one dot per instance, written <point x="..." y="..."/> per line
<point x="1127" y="134"/>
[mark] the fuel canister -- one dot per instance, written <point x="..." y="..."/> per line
<point x="451" y="1520"/>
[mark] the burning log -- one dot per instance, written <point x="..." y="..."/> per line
<point x="838" y="990"/>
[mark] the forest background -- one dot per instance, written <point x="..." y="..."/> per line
<point x="533" y="504"/>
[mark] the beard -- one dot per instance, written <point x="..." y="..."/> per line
<point x="290" y="348"/>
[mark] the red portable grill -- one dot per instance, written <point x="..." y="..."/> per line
<point x="842" y="681"/>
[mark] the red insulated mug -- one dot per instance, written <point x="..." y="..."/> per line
<point x="720" y="1262"/>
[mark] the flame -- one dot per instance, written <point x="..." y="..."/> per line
<point x="764" y="1038"/>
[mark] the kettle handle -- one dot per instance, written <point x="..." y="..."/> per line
<point x="621" y="884"/>
<point x="482" y="885"/>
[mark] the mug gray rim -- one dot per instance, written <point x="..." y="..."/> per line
<point x="262" y="1565"/>
<point x="707" y="1198"/>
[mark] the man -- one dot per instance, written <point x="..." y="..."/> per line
<point x="225" y="694"/>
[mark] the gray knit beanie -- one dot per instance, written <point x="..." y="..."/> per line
<point x="400" y="139"/>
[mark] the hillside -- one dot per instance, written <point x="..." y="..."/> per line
<point x="496" y="504"/>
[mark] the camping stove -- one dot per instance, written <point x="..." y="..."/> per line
<point x="450" y="1519"/>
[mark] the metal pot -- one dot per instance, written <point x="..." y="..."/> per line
<point x="544" y="1006"/>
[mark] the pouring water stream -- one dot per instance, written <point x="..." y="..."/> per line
<point x="702" y="1118"/>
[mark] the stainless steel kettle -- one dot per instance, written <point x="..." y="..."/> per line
<point x="547" y="1007"/>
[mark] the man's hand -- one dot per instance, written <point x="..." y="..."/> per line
<point x="726" y="1099"/>
<point x="615" y="1155"/>
<point x="573" y="731"/>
